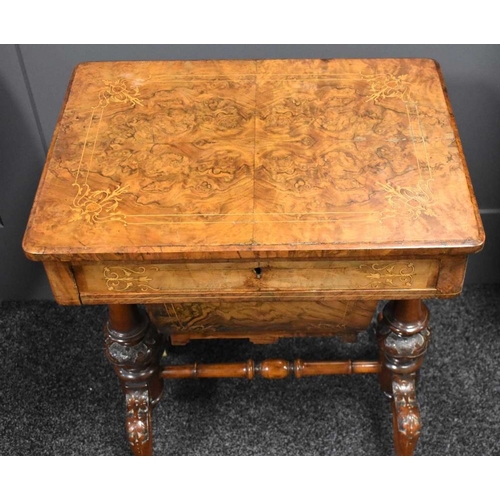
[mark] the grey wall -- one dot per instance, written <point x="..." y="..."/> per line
<point x="33" y="80"/>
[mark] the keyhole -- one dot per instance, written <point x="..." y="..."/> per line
<point x="258" y="272"/>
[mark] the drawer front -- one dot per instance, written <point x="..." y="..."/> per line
<point x="180" y="282"/>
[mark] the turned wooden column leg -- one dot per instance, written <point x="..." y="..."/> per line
<point x="403" y="337"/>
<point x="134" y="348"/>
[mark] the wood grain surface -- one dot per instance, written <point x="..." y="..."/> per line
<point x="161" y="159"/>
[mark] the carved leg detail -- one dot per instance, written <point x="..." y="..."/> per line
<point x="134" y="348"/>
<point x="138" y="422"/>
<point x="403" y="337"/>
<point x="406" y="415"/>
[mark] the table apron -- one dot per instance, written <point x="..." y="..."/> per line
<point x="138" y="282"/>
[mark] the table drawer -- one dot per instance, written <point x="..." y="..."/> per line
<point x="256" y="279"/>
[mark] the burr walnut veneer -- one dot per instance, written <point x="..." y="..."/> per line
<point x="256" y="199"/>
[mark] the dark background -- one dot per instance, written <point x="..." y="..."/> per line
<point x="33" y="80"/>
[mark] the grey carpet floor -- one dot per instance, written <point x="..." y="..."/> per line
<point x="59" y="396"/>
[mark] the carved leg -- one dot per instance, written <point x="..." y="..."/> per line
<point x="134" y="348"/>
<point x="403" y="337"/>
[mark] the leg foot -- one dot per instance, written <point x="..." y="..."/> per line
<point x="138" y="423"/>
<point x="403" y="337"/>
<point x="134" y="348"/>
<point x="406" y="415"/>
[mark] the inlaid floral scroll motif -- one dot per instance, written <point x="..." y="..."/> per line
<point x="101" y="205"/>
<point x="119" y="279"/>
<point x="393" y="275"/>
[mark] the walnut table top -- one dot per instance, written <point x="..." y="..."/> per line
<point x="207" y="159"/>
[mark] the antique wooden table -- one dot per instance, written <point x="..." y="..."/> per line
<point x="256" y="199"/>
